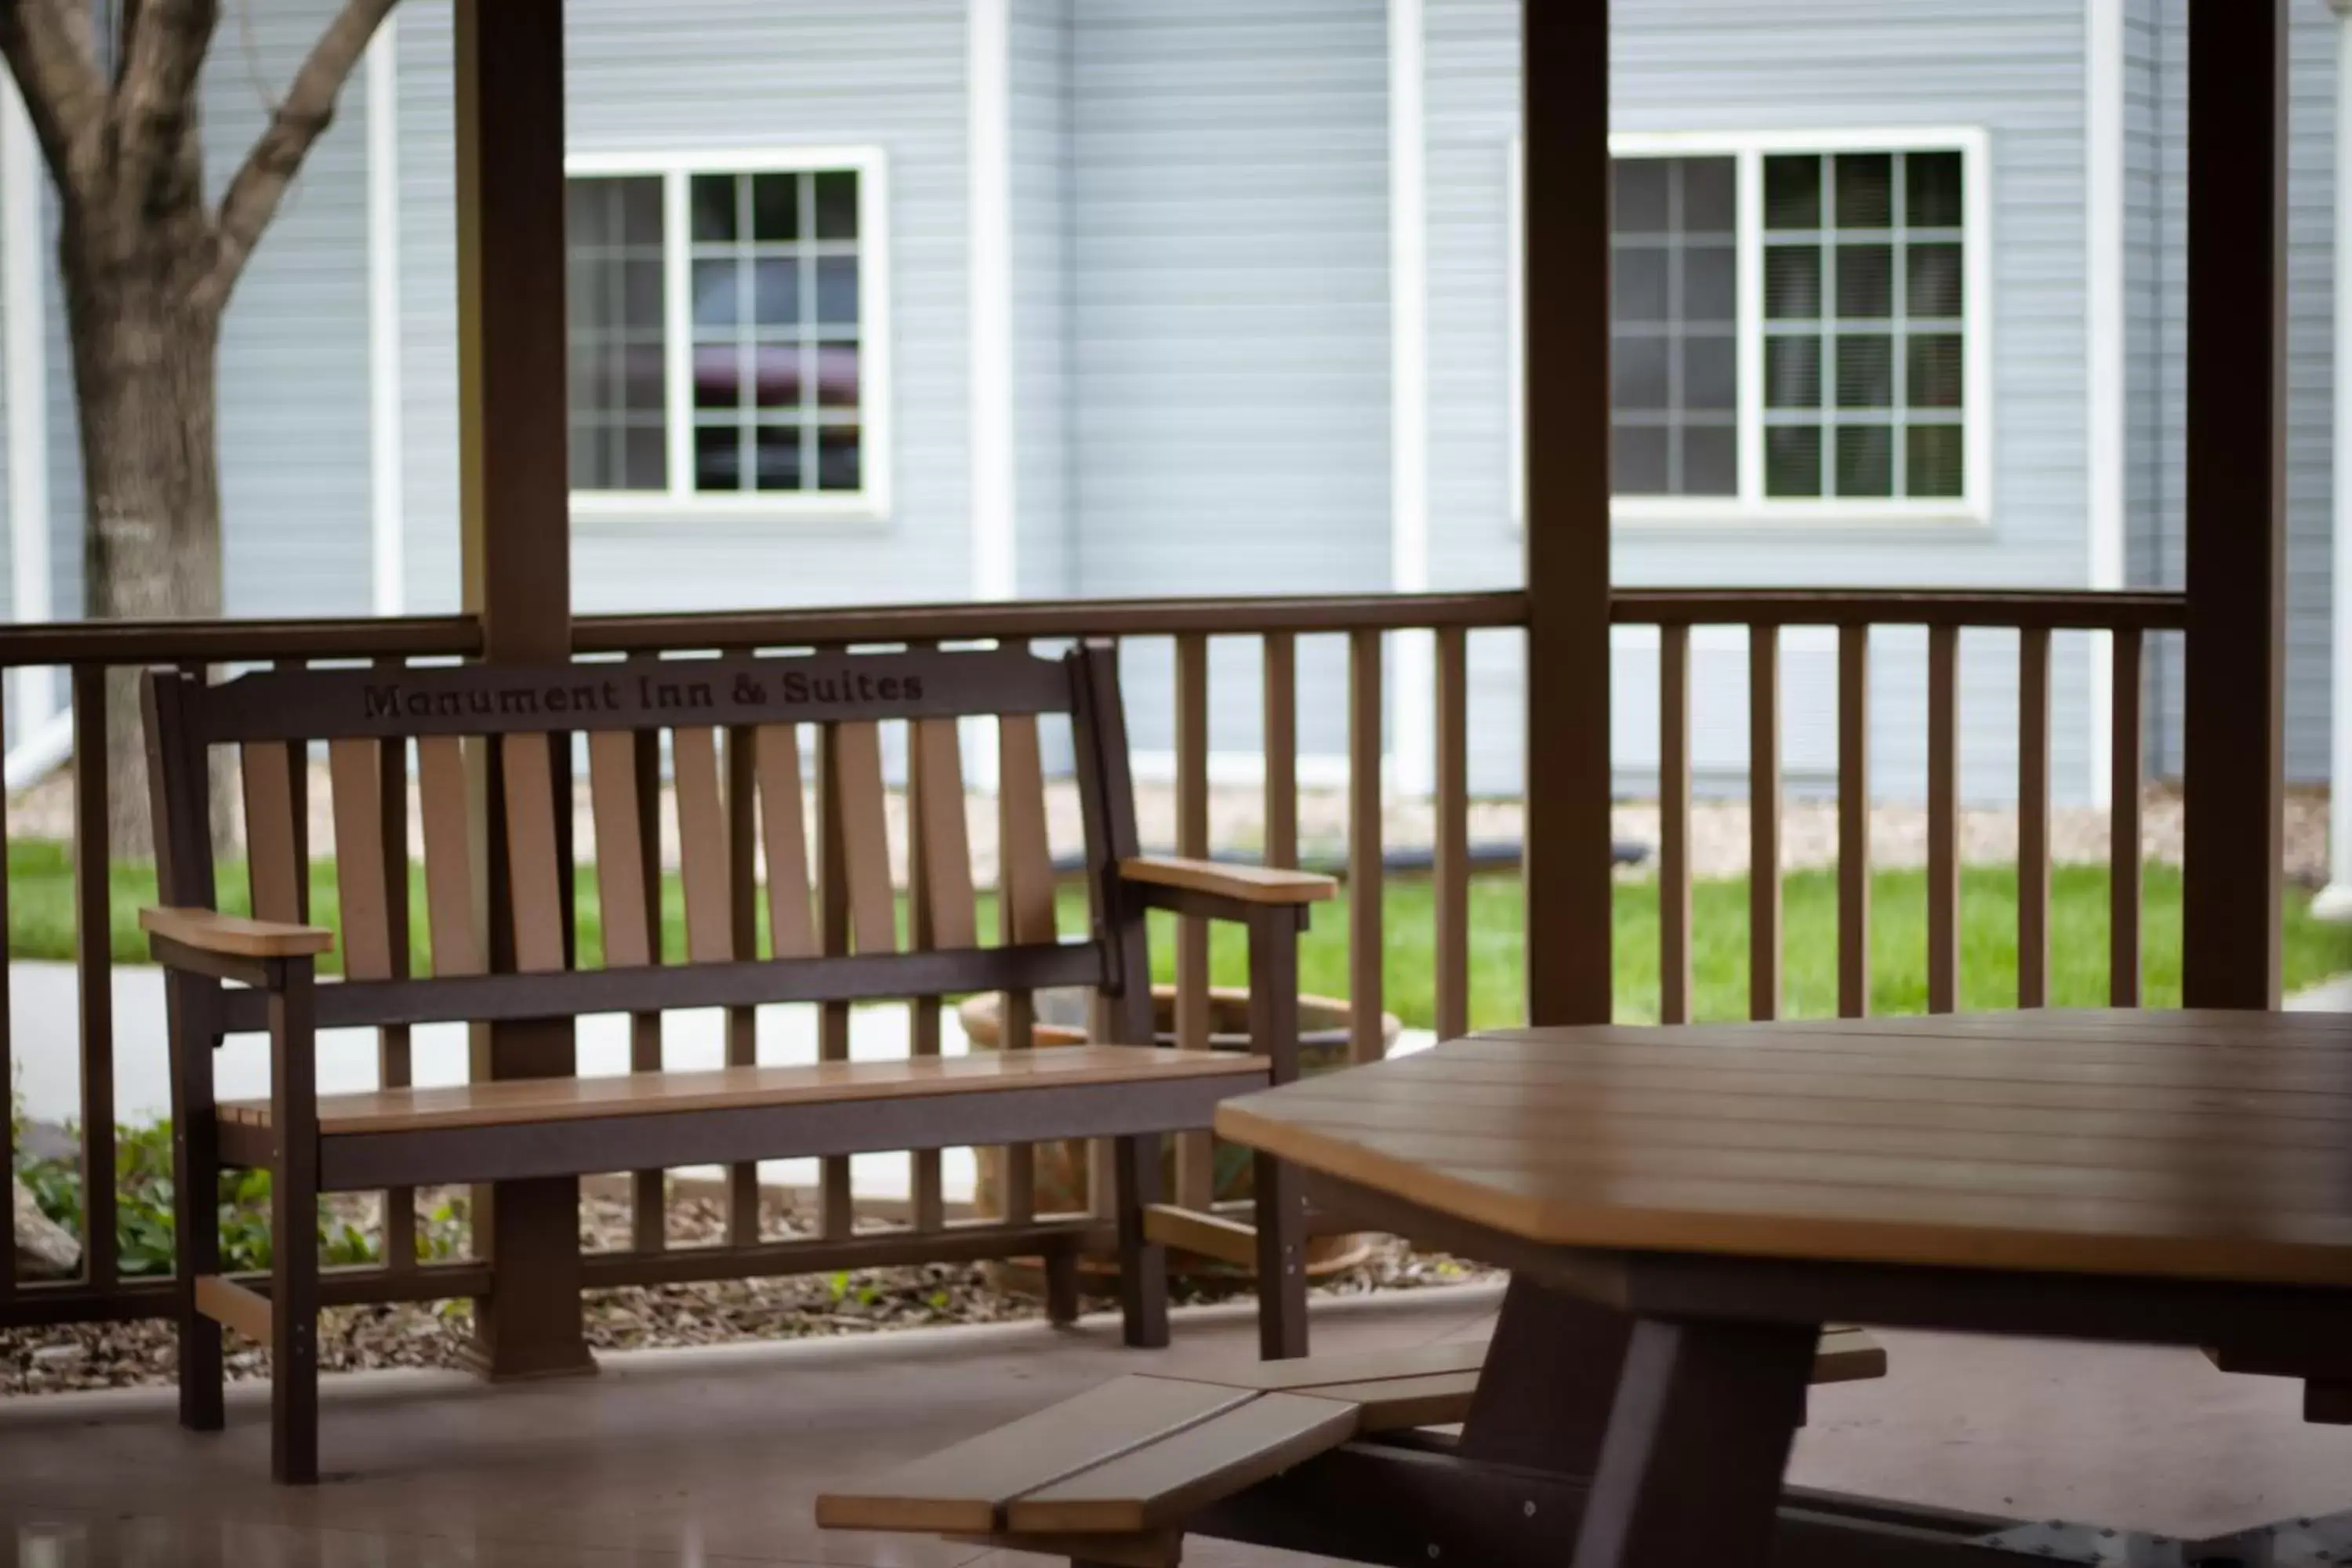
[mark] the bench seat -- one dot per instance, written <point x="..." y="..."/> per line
<point x="536" y="1100"/>
<point x="1125" y="1463"/>
<point x="518" y="1128"/>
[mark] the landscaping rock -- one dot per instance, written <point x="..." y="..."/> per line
<point x="44" y="1250"/>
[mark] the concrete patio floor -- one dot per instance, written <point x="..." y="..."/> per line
<point x="672" y="1458"/>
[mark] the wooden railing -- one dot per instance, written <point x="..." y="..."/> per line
<point x="2127" y="618"/>
<point x="1368" y="627"/>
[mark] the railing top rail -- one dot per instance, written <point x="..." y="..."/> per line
<point x="236" y="641"/>
<point x="2051" y="609"/>
<point x="459" y="635"/>
<point x="1049" y="618"/>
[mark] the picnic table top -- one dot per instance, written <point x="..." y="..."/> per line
<point x="2170" y="1144"/>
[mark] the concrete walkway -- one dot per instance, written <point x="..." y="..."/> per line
<point x="712" y="1457"/>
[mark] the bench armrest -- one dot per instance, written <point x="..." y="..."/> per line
<point x="232" y="936"/>
<point x="1242" y="884"/>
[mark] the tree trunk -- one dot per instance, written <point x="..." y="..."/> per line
<point x="145" y="358"/>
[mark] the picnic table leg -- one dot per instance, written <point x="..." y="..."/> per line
<point x="1697" y="1440"/>
<point x="1549" y="1378"/>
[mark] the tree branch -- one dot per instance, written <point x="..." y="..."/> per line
<point x="53" y="54"/>
<point x="252" y="197"/>
<point x="163" y="48"/>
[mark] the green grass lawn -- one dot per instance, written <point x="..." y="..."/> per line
<point x="40" y="918"/>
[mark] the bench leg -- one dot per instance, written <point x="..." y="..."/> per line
<point x="196" y="1211"/>
<point x="1281" y="1213"/>
<point x="1142" y="1263"/>
<point x="294" y="1239"/>
<point x="1062" y="1300"/>
<point x="1697" y="1444"/>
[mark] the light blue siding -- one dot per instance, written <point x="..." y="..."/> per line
<point x="1230" y="319"/>
<point x="717" y="75"/>
<point x="294" y="424"/>
<point x="2013" y="69"/>
<point x="1041" y="43"/>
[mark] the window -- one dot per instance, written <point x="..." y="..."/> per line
<point x="1674" y="313"/>
<point x="727" y="339"/>
<point x="1863" y="292"/>
<point x="1797" y="325"/>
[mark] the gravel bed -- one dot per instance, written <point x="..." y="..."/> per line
<point x="433" y="1334"/>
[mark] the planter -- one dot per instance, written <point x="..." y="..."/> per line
<point x="1062" y="1172"/>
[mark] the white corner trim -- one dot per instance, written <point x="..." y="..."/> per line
<point x="387" y="445"/>
<point x="1415" y="653"/>
<point x="2105" y="412"/>
<point x="24" y="275"/>
<point x="988" y="154"/>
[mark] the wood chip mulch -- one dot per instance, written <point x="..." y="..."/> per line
<point x="433" y="1334"/>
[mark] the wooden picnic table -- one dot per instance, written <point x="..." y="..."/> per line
<point x="1683" y="1208"/>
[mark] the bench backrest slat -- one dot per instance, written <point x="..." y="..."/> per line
<point x="455" y="932"/>
<point x="733" y="728"/>
<point x="854" y="806"/>
<point x="1025" y="854"/>
<point x="355" y="779"/>
<point x="784" y="830"/>
<point x="273" y="862"/>
<point x="616" y="821"/>
<point x="702" y="846"/>
<point x="940" y="843"/>
<point x="534" y="868"/>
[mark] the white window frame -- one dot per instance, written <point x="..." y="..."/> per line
<point x="1752" y="506"/>
<point x="871" y="502"/>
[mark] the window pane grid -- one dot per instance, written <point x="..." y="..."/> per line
<point x="1864" y="391"/>
<point x="613" y="301"/>
<point x="1674" y="311"/>
<point x="769" y="397"/>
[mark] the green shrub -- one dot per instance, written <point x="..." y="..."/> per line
<point x="143" y="1235"/>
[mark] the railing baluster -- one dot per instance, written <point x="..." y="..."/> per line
<point x="2033" y="817"/>
<point x="1674" y="824"/>
<point x="1365" y="998"/>
<point x="1764" y="821"/>
<point x="2124" y="825"/>
<point x="1943" y="818"/>
<point x="94" y="960"/>
<point x="393" y="1061"/>
<point x="742" y="915"/>
<point x="1451" y="858"/>
<point x="1195" y="1154"/>
<point x="1281" y="749"/>
<point x="836" y="1206"/>
<point x="1854" y="821"/>
<point x="648" y="1190"/>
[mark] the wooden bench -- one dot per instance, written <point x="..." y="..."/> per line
<point x="1111" y="1475"/>
<point x="734" y="731"/>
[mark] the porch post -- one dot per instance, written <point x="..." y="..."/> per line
<point x="2334" y="901"/>
<point x="1564" y="99"/>
<point x="2232" y="764"/>
<point x="516" y="531"/>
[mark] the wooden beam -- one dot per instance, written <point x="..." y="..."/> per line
<point x="2233" y="764"/>
<point x="514" y="532"/>
<point x="1564" y="97"/>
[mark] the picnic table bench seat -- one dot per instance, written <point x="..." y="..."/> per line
<point x="720" y="742"/>
<point x="1111" y="1475"/>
